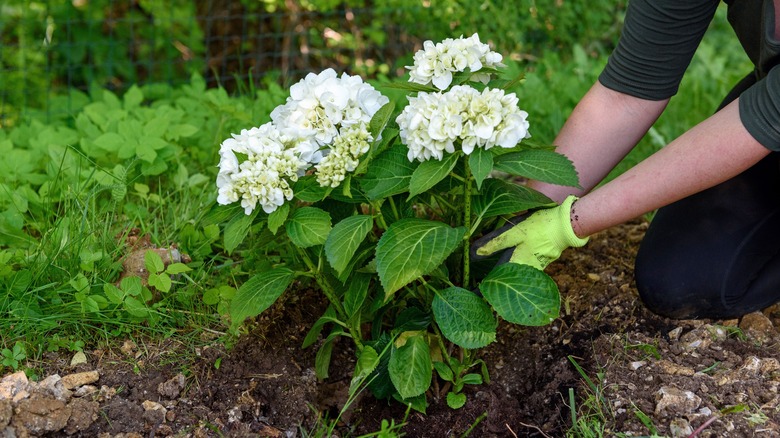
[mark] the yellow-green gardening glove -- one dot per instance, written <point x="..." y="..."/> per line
<point x="534" y="239"/>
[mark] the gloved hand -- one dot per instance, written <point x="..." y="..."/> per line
<point x="534" y="239"/>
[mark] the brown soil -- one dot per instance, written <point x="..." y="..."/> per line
<point x="650" y="375"/>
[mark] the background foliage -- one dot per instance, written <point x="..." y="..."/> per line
<point x="48" y="46"/>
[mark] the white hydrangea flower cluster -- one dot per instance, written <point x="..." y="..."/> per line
<point x="324" y="115"/>
<point x="268" y="162"/>
<point x="436" y="63"/>
<point x="321" y="104"/>
<point x="351" y="144"/>
<point x="434" y="123"/>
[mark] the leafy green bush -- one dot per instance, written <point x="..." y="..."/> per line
<point x="385" y="232"/>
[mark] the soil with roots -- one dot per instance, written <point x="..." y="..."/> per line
<point x="606" y="367"/>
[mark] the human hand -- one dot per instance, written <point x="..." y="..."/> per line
<point x="534" y="239"/>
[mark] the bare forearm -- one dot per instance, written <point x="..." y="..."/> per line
<point x="714" y="151"/>
<point x="601" y="130"/>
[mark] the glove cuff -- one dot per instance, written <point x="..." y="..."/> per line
<point x="569" y="239"/>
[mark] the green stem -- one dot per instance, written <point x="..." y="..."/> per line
<point x="380" y="219"/>
<point x="329" y="292"/>
<point x="467" y="223"/>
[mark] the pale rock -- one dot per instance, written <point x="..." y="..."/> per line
<point x="235" y="415"/>
<point x="14" y="387"/>
<point x="149" y="405"/>
<point x="6" y="412"/>
<point x="694" y="344"/>
<point x="172" y="388"/>
<point x="717" y="332"/>
<point x="154" y="413"/>
<point x="637" y="364"/>
<point x="673" y="369"/>
<point x="750" y="366"/>
<point x="757" y="326"/>
<point x="128" y="348"/>
<point x="83" y="391"/>
<point x="80" y="379"/>
<point x="769" y="365"/>
<point x="41" y="415"/>
<point x="594" y="277"/>
<point x="675" y="334"/>
<point x="671" y="400"/>
<point x="53" y="386"/>
<point x="680" y="427"/>
<point x="106" y="393"/>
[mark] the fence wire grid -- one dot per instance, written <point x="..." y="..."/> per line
<point x="51" y="48"/>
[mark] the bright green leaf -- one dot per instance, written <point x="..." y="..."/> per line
<point x="111" y="142"/>
<point x="135" y="307"/>
<point x="464" y="318"/>
<point x="367" y="361"/>
<point x="389" y="173"/>
<point x="307" y="189"/>
<point x="481" y="164"/>
<point x="161" y="282"/>
<point x="146" y="152"/>
<point x="410" y="366"/>
<point x="456" y="401"/>
<point x="114" y="294"/>
<point x="277" y="217"/>
<point x="430" y="172"/>
<point x="445" y="372"/>
<point x="177" y="268"/>
<point x="521" y="294"/>
<point x="344" y="240"/>
<point x="499" y="197"/>
<point x="237" y="229"/>
<point x="322" y="359"/>
<point x="308" y="226"/>
<point x="540" y="165"/>
<point x="380" y="118"/>
<point x="153" y="262"/>
<point x="316" y="328"/>
<point x="131" y="286"/>
<point x="411" y="248"/>
<point x="258" y="294"/>
<point x="133" y="97"/>
<point x="356" y="294"/>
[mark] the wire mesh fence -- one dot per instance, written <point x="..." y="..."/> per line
<point x="50" y="50"/>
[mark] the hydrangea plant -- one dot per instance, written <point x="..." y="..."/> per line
<point x="379" y="202"/>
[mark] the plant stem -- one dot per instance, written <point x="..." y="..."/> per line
<point x="380" y="219"/>
<point x="322" y="282"/>
<point x="467" y="222"/>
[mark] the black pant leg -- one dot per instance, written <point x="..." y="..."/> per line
<point x="711" y="255"/>
<point x="715" y="254"/>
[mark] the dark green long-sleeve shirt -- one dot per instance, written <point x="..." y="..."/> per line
<point x="659" y="39"/>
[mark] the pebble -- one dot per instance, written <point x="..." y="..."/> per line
<point x="680" y="427"/>
<point x="675" y="401"/>
<point x="673" y="369"/>
<point x="757" y="326"/>
<point x="80" y="379"/>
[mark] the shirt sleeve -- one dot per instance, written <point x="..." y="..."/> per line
<point x="759" y="110"/>
<point x="656" y="46"/>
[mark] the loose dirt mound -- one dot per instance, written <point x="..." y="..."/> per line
<point x="626" y="369"/>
